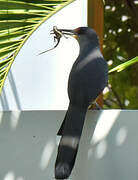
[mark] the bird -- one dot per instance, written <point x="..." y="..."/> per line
<point x="87" y="79"/>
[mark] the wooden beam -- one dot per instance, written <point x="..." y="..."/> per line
<point x="96" y="17"/>
<point x="96" y="21"/>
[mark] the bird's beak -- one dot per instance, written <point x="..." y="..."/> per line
<point x="69" y="32"/>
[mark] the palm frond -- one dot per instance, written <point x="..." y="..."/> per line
<point x="18" y="20"/>
<point x="123" y="66"/>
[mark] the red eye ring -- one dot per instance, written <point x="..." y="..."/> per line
<point x="77" y="30"/>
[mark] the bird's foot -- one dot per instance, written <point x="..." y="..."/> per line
<point x="97" y="106"/>
<point x="94" y="106"/>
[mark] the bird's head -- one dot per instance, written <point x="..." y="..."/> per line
<point x="84" y="35"/>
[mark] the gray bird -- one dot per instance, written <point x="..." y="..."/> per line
<point x="87" y="79"/>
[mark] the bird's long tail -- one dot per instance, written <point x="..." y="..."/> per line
<point x="70" y="130"/>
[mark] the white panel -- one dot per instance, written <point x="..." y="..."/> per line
<point x="28" y="148"/>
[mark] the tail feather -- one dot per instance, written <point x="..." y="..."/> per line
<point x="71" y="130"/>
<point x="59" y="133"/>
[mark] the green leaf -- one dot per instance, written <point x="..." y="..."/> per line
<point x="123" y="66"/>
<point x="4" y="53"/>
<point x="21" y="16"/>
<point x="18" y="20"/>
<point x="8" y="44"/>
<point x="4" y="63"/>
<point x="13" y="24"/>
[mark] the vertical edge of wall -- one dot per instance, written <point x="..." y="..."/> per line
<point x="96" y="21"/>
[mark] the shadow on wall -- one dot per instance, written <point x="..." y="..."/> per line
<point x="28" y="145"/>
<point x="14" y="94"/>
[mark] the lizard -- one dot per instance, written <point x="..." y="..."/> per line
<point x="58" y="34"/>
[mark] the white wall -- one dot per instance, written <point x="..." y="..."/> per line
<point x="28" y="145"/>
<point x="40" y="82"/>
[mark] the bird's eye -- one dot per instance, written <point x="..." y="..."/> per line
<point x="78" y="31"/>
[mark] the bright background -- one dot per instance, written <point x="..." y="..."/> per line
<point x="40" y="82"/>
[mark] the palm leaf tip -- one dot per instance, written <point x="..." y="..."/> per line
<point x="123" y="66"/>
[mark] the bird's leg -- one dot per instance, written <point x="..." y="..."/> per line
<point x="94" y="106"/>
<point x="97" y="106"/>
